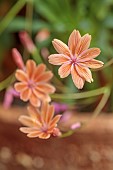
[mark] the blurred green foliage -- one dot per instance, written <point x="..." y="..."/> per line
<point x="60" y="17"/>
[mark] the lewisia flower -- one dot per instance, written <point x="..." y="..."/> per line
<point x="40" y="123"/>
<point x="76" y="58"/>
<point x="33" y="85"/>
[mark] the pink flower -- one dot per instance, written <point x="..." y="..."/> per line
<point x="76" y="58"/>
<point x="34" y="85"/>
<point x="9" y="97"/>
<point x="60" y="107"/>
<point x="40" y="123"/>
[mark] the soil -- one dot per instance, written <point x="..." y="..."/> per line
<point x="90" y="148"/>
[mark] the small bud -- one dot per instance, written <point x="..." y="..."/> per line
<point x="56" y="132"/>
<point x="75" y="126"/>
<point x="42" y="35"/>
<point x="45" y="53"/>
<point x="17" y="58"/>
<point x="27" y="41"/>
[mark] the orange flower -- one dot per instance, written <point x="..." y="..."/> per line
<point x="33" y="85"/>
<point x="40" y="122"/>
<point x="76" y="58"/>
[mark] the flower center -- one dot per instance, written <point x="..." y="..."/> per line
<point x="44" y="128"/>
<point x="74" y="60"/>
<point x="31" y="84"/>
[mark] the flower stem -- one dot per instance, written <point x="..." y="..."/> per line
<point x="36" y="56"/>
<point x="29" y="16"/>
<point x="28" y="23"/>
<point x="68" y="133"/>
<point x="101" y="104"/>
<point x="81" y="95"/>
<point x="11" y="14"/>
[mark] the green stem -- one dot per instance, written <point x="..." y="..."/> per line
<point x="66" y="134"/>
<point x="28" y="24"/>
<point x="101" y="104"/>
<point x="5" y="83"/>
<point x="36" y="56"/>
<point x="81" y="95"/>
<point x="29" y="16"/>
<point x="11" y="14"/>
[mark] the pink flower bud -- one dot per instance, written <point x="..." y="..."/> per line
<point x="42" y="35"/>
<point x="76" y="125"/>
<point x="17" y="58"/>
<point x="27" y="41"/>
<point x="45" y="53"/>
<point x="56" y="132"/>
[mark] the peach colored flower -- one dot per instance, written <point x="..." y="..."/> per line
<point x="76" y="58"/>
<point x="40" y="123"/>
<point x="33" y="85"/>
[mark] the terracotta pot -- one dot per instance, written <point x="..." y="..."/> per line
<point x="90" y="148"/>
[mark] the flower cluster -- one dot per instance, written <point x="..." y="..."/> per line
<point x="33" y="81"/>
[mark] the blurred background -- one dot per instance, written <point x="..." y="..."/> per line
<point x="44" y="20"/>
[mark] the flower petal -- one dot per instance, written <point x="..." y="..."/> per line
<point x="89" y="54"/>
<point x="46" y="88"/>
<point x="21" y="75"/>
<point x="34" y="100"/>
<point x="73" y="41"/>
<point x="30" y="67"/>
<point x="28" y="130"/>
<point x="44" y="110"/>
<point x="25" y="94"/>
<point x="93" y="64"/>
<point x="84" y="72"/>
<point x="34" y="134"/>
<point x="64" y="70"/>
<point x="44" y="77"/>
<point x="40" y="69"/>
<point x="44" y="136"/>
<point x="50" y="113"/>
<point x="34" y="112"/>
<point x="60" y="47"/>
<point x="78" y="81"/>
<point x="41" y="95"/>
<point x="27" y="121"/>
<point x="20" y="86"/>
<point x="58" y="59"/>
<point x="83" y="44"/>
<point x="54" y="121"/>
